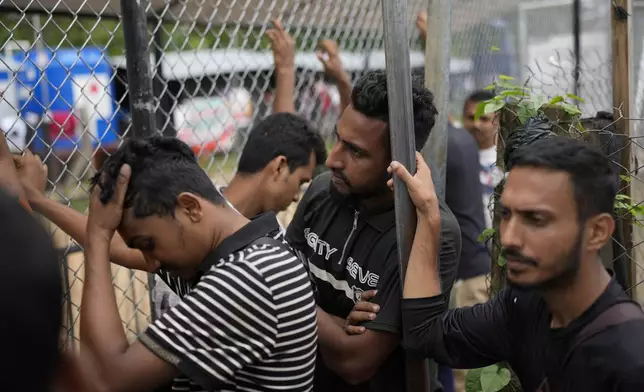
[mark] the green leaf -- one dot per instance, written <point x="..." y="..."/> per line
<point x="625" y="178"/>
<point x="489" y="88"/>
<point x="538" y="102"/>
<point x="556" y="100"/>
<point x="501" y="261"/>
<point x="507" y="86"/>
<point x="570" y="108"/>
<point x="524" y="113"/>
<point x="486" y="235"/>
<point x="473" y="380"/>
<point x="507" y="93"/>
<point x="493" y="106"/>
<point x="480" y="110"/>
<point x="505" y="77"/>
<point x="495" y="48"/>
<point x="493" y="378"/>
<point x="576" y="98"/>
<point x="622" y="197"/>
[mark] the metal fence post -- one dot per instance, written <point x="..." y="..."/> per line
<point x="576" y="32"/>
<point x="139" y="68"/>
<point x="403" y="148"/>
<point x="139" y="79"/>
<point x="438" y="46"/>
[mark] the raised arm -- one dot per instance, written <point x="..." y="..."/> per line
<point x="283" y="47"/>
<point x="460" y="338"/>
<point x="32" y="176"/>
<point x="329" y="55"/>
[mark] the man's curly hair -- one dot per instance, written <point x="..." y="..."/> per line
<point x="369" y="97"/>
<point x="162" y="169"/>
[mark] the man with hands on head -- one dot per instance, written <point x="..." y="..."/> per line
<point x="248" y="321"/>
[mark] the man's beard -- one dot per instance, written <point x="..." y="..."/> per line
<point x="354" y="197"/>
<point x="571" y="260"/>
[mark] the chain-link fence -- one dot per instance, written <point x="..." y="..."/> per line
<point x="65" y="88"/>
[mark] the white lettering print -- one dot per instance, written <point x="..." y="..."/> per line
<point x="321" y="247"/>
<point x="361" y="276"/>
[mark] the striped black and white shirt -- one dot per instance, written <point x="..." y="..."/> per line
<point x="248" y="324"/>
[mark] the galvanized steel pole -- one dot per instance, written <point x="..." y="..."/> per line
<point x="438" y="47"/>
<point x="403" y="148"/>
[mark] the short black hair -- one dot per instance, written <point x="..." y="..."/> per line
<point x="479" y="96"/>
<point x="369" y="97"/>
<point x="162" y="169"/>
<point x="31" y="298"/>
<point x="284" y="134"/>
<point x="594" y="179"/>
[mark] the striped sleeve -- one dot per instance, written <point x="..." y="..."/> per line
<point x="225" y="324"/>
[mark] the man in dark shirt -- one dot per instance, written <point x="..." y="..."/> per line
<point x="462" y="196"/>
<point x="563" y="324"/>
<point x="345" y="227"/>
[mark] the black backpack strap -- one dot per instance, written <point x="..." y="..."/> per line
<point x="616" y="314"/>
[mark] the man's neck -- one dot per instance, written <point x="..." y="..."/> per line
<point x="380" y="202"/>
<point x="569" y="302"/>
<point x="234" y="221"/>
<point x="242" y="193"/>
<point x="486" y="145"/>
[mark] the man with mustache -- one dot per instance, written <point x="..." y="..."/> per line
<point x="345" y="228"/>
<point x="563" y="324"/>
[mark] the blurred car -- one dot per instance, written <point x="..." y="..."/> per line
<point x="210" y="123"/>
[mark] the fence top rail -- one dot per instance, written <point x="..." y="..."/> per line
<point x="199" y="63"/>
<point x="308" y="13"/>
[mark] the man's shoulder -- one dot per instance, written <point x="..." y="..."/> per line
<point x="620" y="340"/>
<point x="320" y="184"/>
<point x="618" y="351"/>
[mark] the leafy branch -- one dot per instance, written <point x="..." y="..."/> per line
<point x="526" y="103"/>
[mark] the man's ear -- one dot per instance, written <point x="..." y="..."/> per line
<point x="277" y="167"/>
<point x="190" y="204"/>
<point x="599" y="230"/>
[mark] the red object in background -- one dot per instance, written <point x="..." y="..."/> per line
<point x="62" y="124"/>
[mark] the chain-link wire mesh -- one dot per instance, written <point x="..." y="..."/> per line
<point x="65" y="88"/>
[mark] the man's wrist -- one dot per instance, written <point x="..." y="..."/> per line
<point x="344" y="80"/>
<point x="36" y="201"/>
<point x="99" y="237"/>
<point x="285" y="70"/>
<point x="428" y="220"/>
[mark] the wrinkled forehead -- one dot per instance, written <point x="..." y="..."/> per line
<point x="534" y="189"/>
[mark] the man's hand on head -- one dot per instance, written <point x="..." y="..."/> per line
<point x="104" y="219"/>
<point x="282" y="45"/>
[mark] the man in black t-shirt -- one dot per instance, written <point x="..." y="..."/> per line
<point x="345" y="228"/>
<point x="563" y="324"/>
